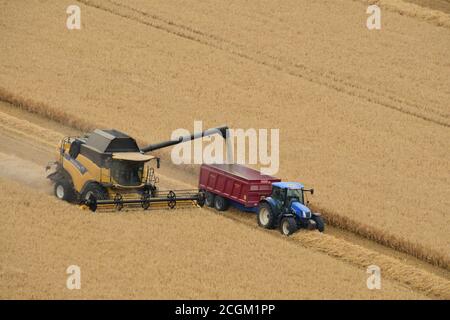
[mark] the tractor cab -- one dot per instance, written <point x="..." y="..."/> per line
<point x="289" y="192"/>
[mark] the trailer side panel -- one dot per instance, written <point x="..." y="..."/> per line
<point x="236" y="182"/>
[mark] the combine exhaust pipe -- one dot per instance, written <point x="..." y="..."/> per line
<point x="221" y="130"/>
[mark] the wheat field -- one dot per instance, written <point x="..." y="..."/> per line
<point x="190" y="254"/>
<point x="364" y="116"/>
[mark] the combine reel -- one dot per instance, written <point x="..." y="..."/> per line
<point x="172" y="199"/>
<point x="118" y="202"/>
<point x="157" y="199"/>
<point x="145" y="204"/>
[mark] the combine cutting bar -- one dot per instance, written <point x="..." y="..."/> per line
<point x="171" y="199"/>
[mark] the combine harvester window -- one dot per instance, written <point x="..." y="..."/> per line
<point x="127" y="173"/>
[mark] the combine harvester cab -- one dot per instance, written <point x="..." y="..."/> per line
<point x="106" y="169"/>
<point x="276" y="203"/>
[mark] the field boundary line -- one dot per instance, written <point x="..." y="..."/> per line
<point x="355" y="254"/>
<point x="325" y="78"/>
<point x="416" y="250"/>
<point x="42" y="109"/>
<point x="393" y="268"/>
<point x="412" y="10"/>
<point x="28" y="129"/>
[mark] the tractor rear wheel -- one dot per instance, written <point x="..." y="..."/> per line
<point x="288" y="226"/>
<point x="209" y="199"/>
<point x="266" y="216"/>
<point x="220" y="203"/>
<point x="319" y="223"/>
<point x="96" y="190"/>
<point x="63" y="190"/>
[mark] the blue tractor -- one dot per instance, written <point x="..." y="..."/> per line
<point x="285" y="208"/>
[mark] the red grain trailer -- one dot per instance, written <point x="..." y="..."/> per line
<point x="226" y="184"/>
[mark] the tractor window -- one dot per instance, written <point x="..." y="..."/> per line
<point x="127" y="173"/>
<point x="277" y="194"/>
<point x="295" y="193"/>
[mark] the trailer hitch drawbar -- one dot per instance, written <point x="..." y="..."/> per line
<point x="171" y="199"/>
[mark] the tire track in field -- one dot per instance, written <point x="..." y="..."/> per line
<point x="353" y="253"/>
<point x="328" y="79"/>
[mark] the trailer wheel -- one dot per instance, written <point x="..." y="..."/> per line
<point x="319" y="223"/>
<point x="288" y="226"/>
<point x="220" y="203"/>
<point x="209" y="199"/>
<point x="265" y="216"/>
<point x="63" y="190"/>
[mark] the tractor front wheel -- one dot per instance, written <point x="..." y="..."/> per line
<point x="266" y="216"/>
<point x="319" y="223"/>
<point x="288" y="226"/>
<point x="63" y="190"/>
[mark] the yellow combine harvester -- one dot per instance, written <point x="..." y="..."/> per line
<point x="107" y="169"/>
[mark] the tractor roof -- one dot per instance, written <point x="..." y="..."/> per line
<point x="288" y="185"/>
<point x="109" y="141"/>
